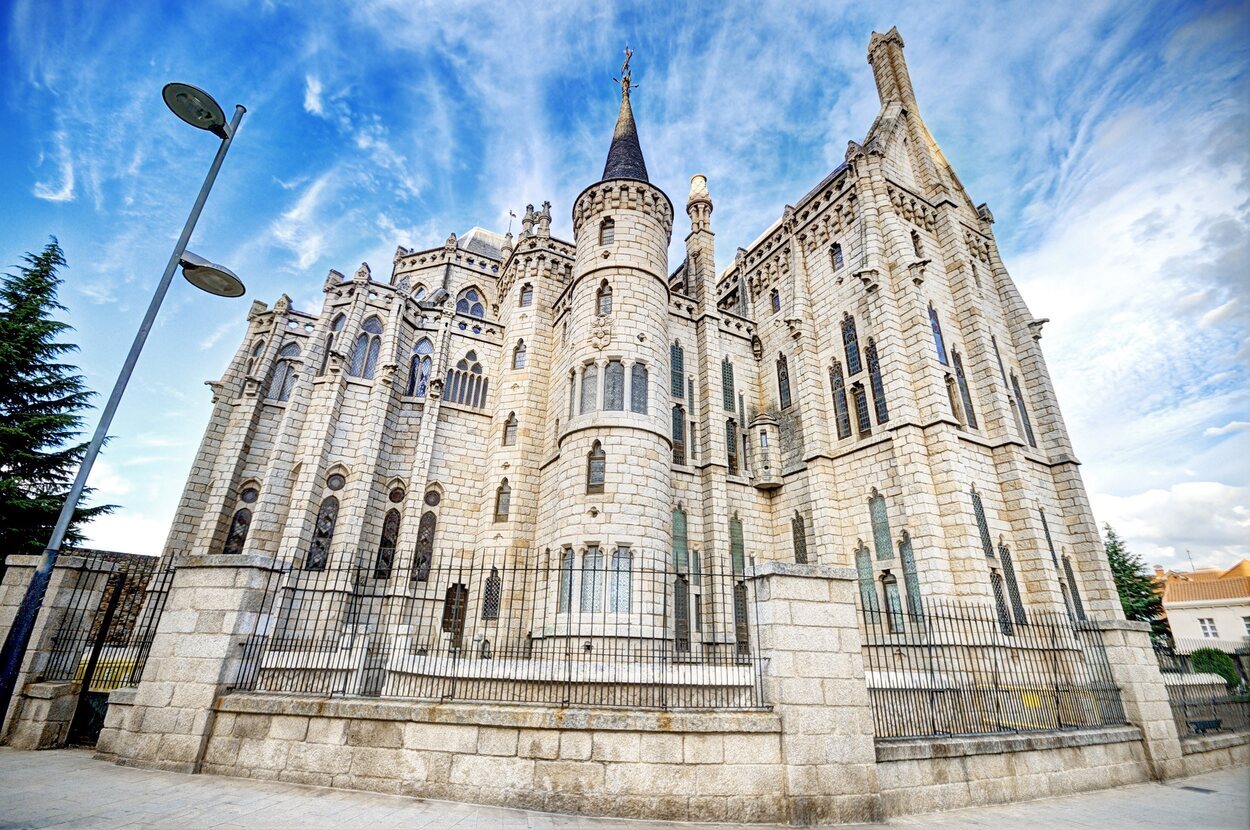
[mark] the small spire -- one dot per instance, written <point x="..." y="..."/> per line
<point x="625" y="159"/>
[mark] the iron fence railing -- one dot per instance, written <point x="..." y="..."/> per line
<point x="945" y="668"/>
<point x="617" y="628"/>
<point x="1201" y="709"/>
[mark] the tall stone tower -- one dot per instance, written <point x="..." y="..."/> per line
<point x="608" y="491"/>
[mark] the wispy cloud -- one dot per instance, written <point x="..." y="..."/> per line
<point x="299" y="229"/>
<point x="63" y="189"/>
<point x="312" y="95"/>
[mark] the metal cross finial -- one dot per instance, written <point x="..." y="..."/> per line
<point x="626" y="79"/>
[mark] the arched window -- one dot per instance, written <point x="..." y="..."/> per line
<point x="867" y="589"/>
<point x="965" y="394"/>
<point x="1000" y="603"/>
<point x="614" y="386"/>
<point x="983" y="527"/>
<point x="774" y="300"/>
<point x="874" y="379"/>
<point x="603" y="299"/>
<point x="492" y="595"/>
<point x="336" y="326"/>
<point x="465" y="382"/>
<point x="737" y="548"/>
<point x="509" y="430"/>
<point x="638" y="389"/>
<point x="282" y="376"/>
<point x="681" y="548"/>
<point x="911" y="579"/>
<point x="323" y="534"/>
<point x="731" y="445"/>
<point x="938" y="342"/>
<point x="527" y="295"/>
<point x="841" y="413"/>
<point x="783" y="381"/>
<point x="503" y="501"/>
<point x="916" y="247"/>
<point x="596" y="468"/>
<point x="620" y="581"/>
<point x="893" y="603"/>
<point x="727" y="383"/>
<point x="679" y="434"/>
<point x="798" y="537"/>
<point x="368" y="347"/>
<point x="860" y="400"/>
<point x="592" y="580"/>
<point x="470" y="302"/>
<point x="565" y="595"/>
<point x="880" y="526"/>
<point x="257" y="350"/>
<point x="518" y="355"/>
<point x="237" y="534"/>
<point x="425" y="547"/>
<point x="419" y="368"/>
<point x="1024" y="411"/>
<point x="850" y="342"/>
<point x="835" y="256"/>
<point x="1074" y="590"/>
<point x="677" y="358"/>
<point x="386" y="545"/>
<point x="420" y="293"/>
<point x="590" y="388"/>
<point x="1013" y="588"/>
<point x="607" y="231"/>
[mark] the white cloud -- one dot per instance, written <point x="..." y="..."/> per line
<point x="216" y="334"/>
<point x="312" y="95"/>
<point x="62" y="190"/>
<point x="1228" y="429"/>
<point x="1205" y="519"/>
<point x="300" y="229"/>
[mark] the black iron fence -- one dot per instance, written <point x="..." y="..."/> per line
<point x="1207" y="708"/>
<point x="620" y="628"/>
<point x="948" y="668"/>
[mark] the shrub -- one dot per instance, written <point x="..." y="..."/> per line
<point x="1216" y="662"/>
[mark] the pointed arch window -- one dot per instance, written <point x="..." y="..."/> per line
<point x="1013" y="588"/>
<point x="1054" y="559"/>
<point x="1000" y="603"/>
<point x="336" y="326"/>
<point x="783" y="381"/>
<point x="590" y="388"/>
<point x="503" y="501"/>
<point x="727" y="383"/>
<point x="874" y="380"/>
<point x="841" y="413"/>
<point x="737" y="548"/>
<point x="419" y="368"/>
<point x="911" y="579"/>
<point x="607" y="231"/>
<point x="424" y="559"/>
<point x="470" y="302"/>
<point x="893" y="603"/>
<point x="518" y="355"/>
<point x="774" y="300"/>
<point x="679" y="434"/>
<point x="509" y="430"/>
<point x="867" y="588"/>
<point x="257" y="350"/>
<point x="282" y="376"/>
<point x="603" y="299"/>
<point x="638" y="389"/>
<point x="850" y="344"/>
<point x="677" y="359"/>
<point x="386" y="545"/>
<point x="527" y="295"/>
<point x="614" y="386"/>
<point x="620" y="581"/>
<point x="798" y="537"/>
<point x="1074" y="590"/>
<point x="938" y="342"/>
<point x="492" y="595"/>
<point x="323" y="535"/>
<point x="592" y="580"/>
<point x="1024" y="411"/>
<point x="368" y="347"/>
<point x="881" y="539"/>
<point x="835" y="256"/>
<point x="237" y="534"/>
<point x="965" y="394"/>
<point x="983" y="527"/>
<point x="731" y="445"/>
<point x="860" y="399"/>
<point x="466" y="384"/>
<point x="681" y="548"/>
<point x="596" y="468"/>
<point x="564" y="598"/>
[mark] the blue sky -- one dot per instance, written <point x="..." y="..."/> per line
<point x="1111" y="140"/>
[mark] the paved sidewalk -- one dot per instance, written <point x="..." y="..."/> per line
<point x="68" y="789"/>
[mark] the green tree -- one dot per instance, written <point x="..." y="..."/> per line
<point x="1216" y="662"/>
<point x="41" y="405"/>
<point x="1133" y="581"/>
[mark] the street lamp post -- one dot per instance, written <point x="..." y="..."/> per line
<point x="198" y="109"/>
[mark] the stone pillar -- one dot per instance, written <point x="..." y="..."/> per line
<point x="213" y="605"/>
<point x="814" y="678"/>
<point x="41" y="711"/>
<point x="1135" y="670"/>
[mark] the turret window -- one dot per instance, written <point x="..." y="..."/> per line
<point x="620" y="581"/>
<point x="677" y="359"/>
<point x="492" y="596"/>
<point x="774" y="299"/>
<point x="527" y="295"/>
<point x="509" y="430"/>
<point x="603" y="299"/>
<point x="638" y="389"/>
<point x="679" y="435"/>
<point x="565" y="594"/>
<point x="607" y="231"/>
<point x="614" y="386"/>
<point x="835" y="256"/>
<point x="727" y="384"/>
<point x="850" y="343"/>
<point x="282" y="376"/>
<point x="368" y="347"/>
<point x="592" y="579"/>
<point x="590" y="388"/>
<point x="783" y="381"/>
<point x="470" y="302"/>
<point x="596" y="468"/>
<point x="737" y="547"/>
<point x="518" y="355"/>
<point x="503" y="501"/>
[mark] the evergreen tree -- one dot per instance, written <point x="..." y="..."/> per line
<point x="1133" y="581"/>
<point x="41" y="401"/>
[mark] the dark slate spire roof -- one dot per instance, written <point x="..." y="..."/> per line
<point x="625" y="155"/>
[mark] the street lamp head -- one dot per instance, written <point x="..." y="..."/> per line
<point x="211" y="277"/>
<point x="196" y="107"/>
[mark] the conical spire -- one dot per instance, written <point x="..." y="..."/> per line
<point x="625" y="155"/>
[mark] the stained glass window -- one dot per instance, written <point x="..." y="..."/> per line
<point x="470" y="302"/>
<point x="323" y="534"/>
<point x="614" y="386"/>
<point x="835" y="255"/>
<point x="874" y="379"/>
<point x="419" y="368"/>
<point x="518" y="355"/>
<point x="867" y="588"/>
<point x="465" y="383"/>
<point x="1024" y="411"/>
<point x="1000" y="604"/>
<point x="565" y="599"/>
<point x="938" y="342"/>
<point x="596" y="468"/>
<point x="492" y="595"/>
<point x="237" y="534"/>
<point x="282" y="376"/>
<point x="983" y="527"/>
<point x="893" y="603"/>
<point x="850" y="342"/>
<point x="911" y="579"/>
<point x="607" y="231"/>
<point x="638" y="389"/>
<point x="527" y="295"/>
<point x="592" y="579"/>
<point x="368" y="347"/>
<point x="731" y="446"/>
<point x="677" y="357"/>
<point x="727" y="384"/>
<point x="774" y="298"/>
<point x="798" y="537"/>
<point x="680" y="542"/>
<point x="425" y="545"/>
<point x="603" y="299"/>
<point x="862" y="421"/>
<point x="965" y="394"/>
<point x="737" y="550"/>
<point x="841" y="413"/>
<point x="1013" y="588"/>
<point x="590" y="388"/>
<point x="386" y="545"/>
<point x="620" y="581"/>
<point x="679" y="435"/>
<point x="509" y="430"/>
<point x="503" y="501"/>
<point x="880" y="526"/>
